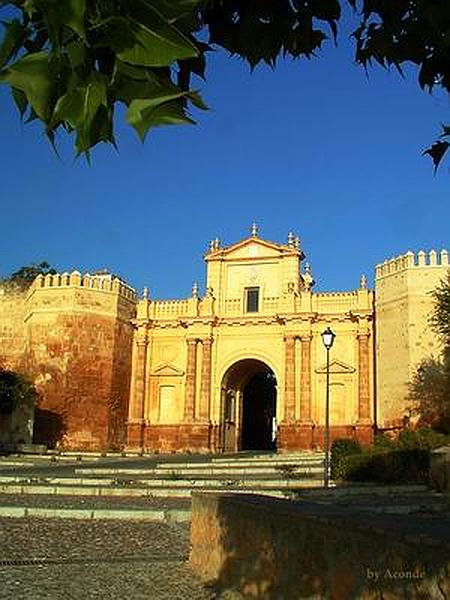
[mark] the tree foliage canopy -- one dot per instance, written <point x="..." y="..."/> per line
<point x="429" y="390"/>
<point x="15" y="390"/>
<point x="440" y="319"/>
<point x="70" y="62"/>
<point x="24" y="277"/>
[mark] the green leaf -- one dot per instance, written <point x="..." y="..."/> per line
<point x="115" y="33"/>
<point x="12" y="41"/>
<point x="437" y="152"/>
<point x="21" y="101"/>
<point x="79" y="109"/>
<point x="71" y="13"/>
<point x="328" y="10"/>
<point x="34" y="76"/>
<point x="157" y="43"/>
<point x="164" y="110"/>
<point x="77" y="54"/>
<point x="173" y="10"/>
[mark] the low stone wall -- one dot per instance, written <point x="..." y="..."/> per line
<point x="440" y="469"/>
<point x="279" y="550"/>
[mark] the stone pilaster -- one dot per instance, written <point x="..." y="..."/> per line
<point x="136" y="413"/>
<point x="305" y="380"/>
<point x="364" y="416"/>
<point x="205" y="386"/>
<point x="190" y="385"/>
<point x="138" y="404"/>
<point x="289" y="379"/>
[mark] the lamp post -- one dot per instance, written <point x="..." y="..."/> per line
<point x="327" y="338"/>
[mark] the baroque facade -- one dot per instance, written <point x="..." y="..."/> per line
<point x="242" y="367"/>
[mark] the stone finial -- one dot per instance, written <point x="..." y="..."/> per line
<point x="444" y="257"/>
<point x="291" y="240"/>
<point x="363" y="282"/>
<point x="214" y="244"/>
<point x="254" y="230"/>
<point x="146" y="293"/>
<point x="297" y="242"/>
<point x="195" y="290"/>
<point x="308" y="278"/>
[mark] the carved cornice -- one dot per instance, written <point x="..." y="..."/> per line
<point x="278" y="319"/>
<point x="360" y="315"/>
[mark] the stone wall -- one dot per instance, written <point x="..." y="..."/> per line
<point x="403" y="305"/>
<point x="17" y="427"/>
<point x="79" y="354"/>
<point x="72" y="336"/>
<point x="12" y="328"/>
<point x="270" y="549"/>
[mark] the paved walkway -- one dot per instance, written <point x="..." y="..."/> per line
<point x="42" y="559"/>
<point x="64" y="559"/>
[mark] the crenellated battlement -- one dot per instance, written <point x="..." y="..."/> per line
<point x="412" y="260"/>
<point x="106" y="283"/>
<point x="352" y="294"/>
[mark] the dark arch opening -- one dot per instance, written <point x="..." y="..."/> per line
<point x="259" y="412"/>
<point x="249" y="407"/>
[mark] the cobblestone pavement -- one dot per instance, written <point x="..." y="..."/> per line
<point x="93" y="502"/>
<point x="44" y="559"/>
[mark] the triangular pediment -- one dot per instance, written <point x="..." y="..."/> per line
<point x="336" y="366"/>
<point x="167" y="370"/>
<point x="251" y="248"/>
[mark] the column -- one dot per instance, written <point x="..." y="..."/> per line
<point x="289" y="378"/>
<point x="191" y="370"/>
<point x="138" y="406"/>
<point x="305" y="380"/>
<point x="205" y="386"/>
<point x="363" y="378"/>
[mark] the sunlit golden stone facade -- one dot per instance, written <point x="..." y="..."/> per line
<point x="193" y="359"/>
<point x="242" y="367"/>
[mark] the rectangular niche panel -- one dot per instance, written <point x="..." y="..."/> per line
<point x="168" y="409"/>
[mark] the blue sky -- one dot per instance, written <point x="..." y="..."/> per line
<point x="315" y="147"/>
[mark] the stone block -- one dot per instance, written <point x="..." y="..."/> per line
<point x="270" y="549"/>
<point x="440" y="469"/>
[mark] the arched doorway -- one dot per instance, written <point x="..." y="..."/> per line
<point x="248" y="407"/>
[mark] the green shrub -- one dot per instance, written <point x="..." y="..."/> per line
<point x="401" y="465"/>
<point x="425" y="438"/>
<point x="15" y="390"/>
<point x="341" y="449"/>
<point x="382" y="442"/>
<point x="404" y="460"/>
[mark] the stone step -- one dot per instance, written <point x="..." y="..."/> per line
<point x="238" y="464"/>
<point x="164" y="483"/>
<point x="167" y="516"/>
<point x="94" y="502"/>
<point x="206" y="470"/>
<point x="291" y="457"/>
<point x="182" y="491"/>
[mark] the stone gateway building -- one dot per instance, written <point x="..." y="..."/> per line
<point x="242" y="367"/>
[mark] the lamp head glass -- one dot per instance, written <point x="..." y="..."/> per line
<point x="328" y="338"/>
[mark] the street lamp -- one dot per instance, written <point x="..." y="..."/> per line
<point x="327" y="338"/>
